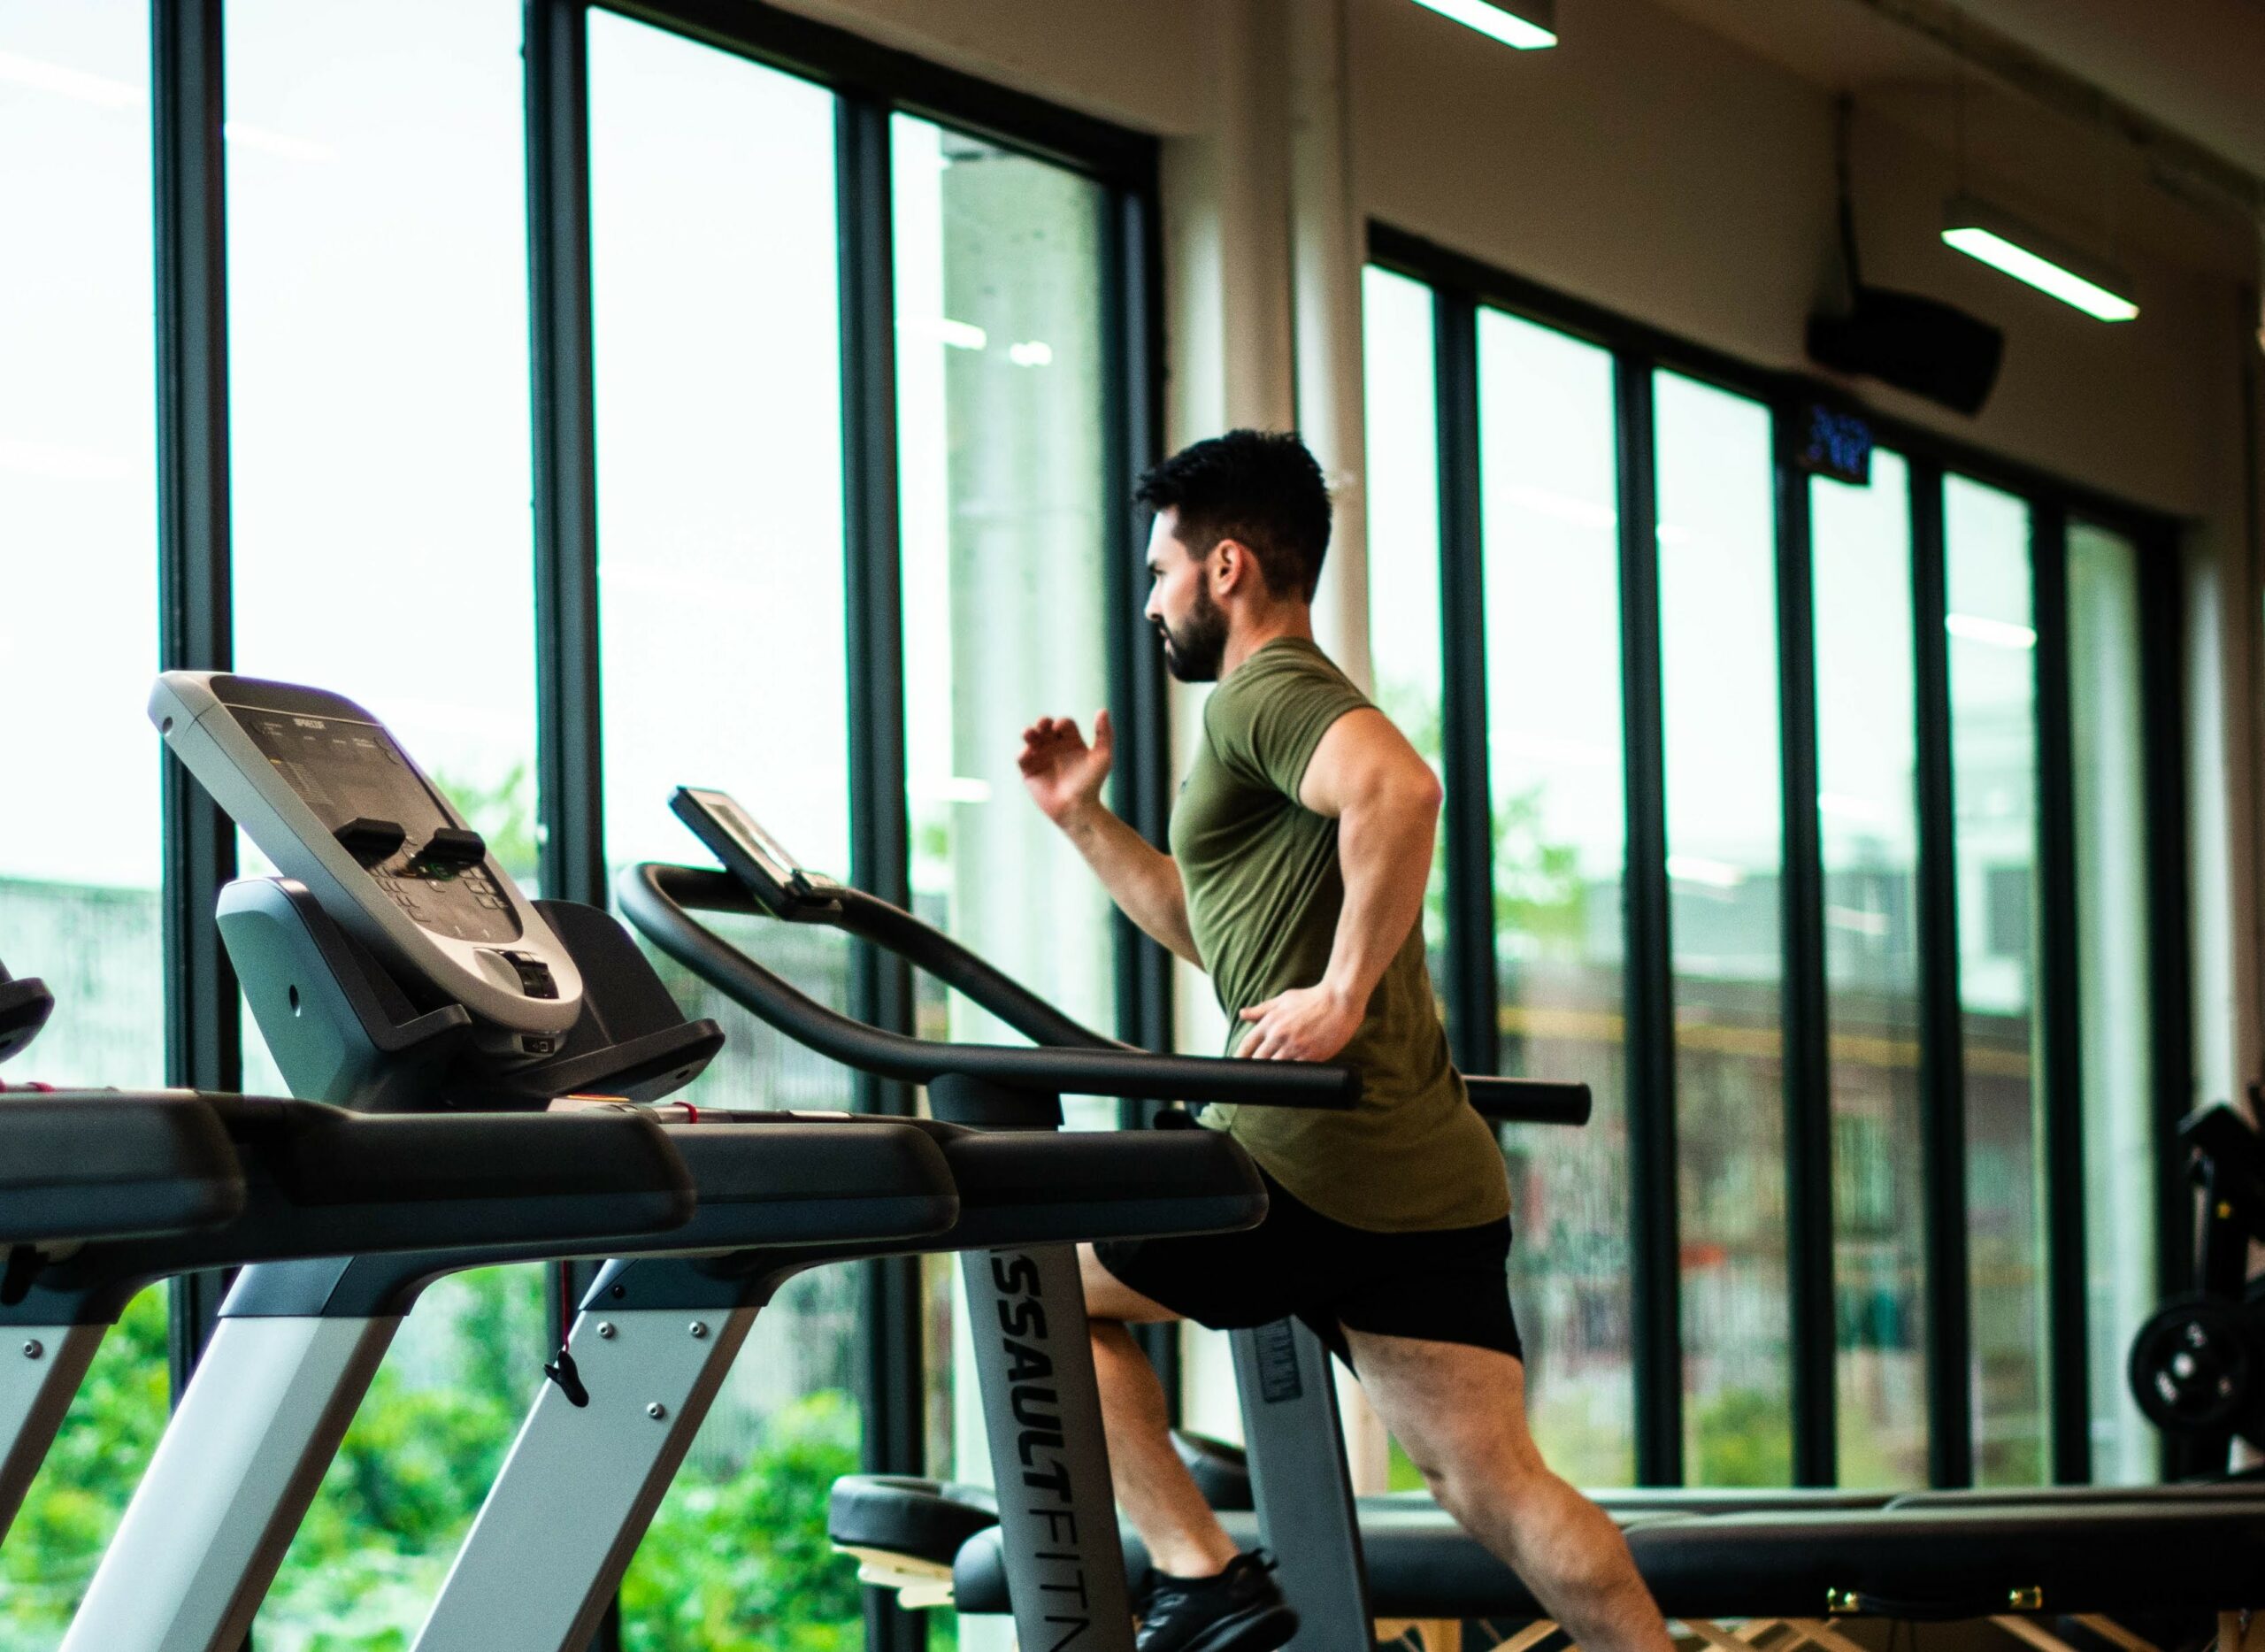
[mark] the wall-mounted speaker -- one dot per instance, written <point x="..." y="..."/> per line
<point x="1918" y="344"/>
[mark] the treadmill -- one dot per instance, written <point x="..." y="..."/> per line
<point x="1028" y="1192"/>
<point x="152" y="1165"/>
<point x="1020" y="1088"/>
<point x="474" y="1069"/>
<point x="102" y="1192"/>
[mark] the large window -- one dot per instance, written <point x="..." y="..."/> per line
<point x="405" y="378"/>
<point x="378" y="371"/>
<point x="723" y="664"/>
<point x="1725" y="829"/>
<point x="1680" y="634"/>
<point x="2115" y="962"/>
<point x="1003" y="428"/>
<point x="1548" y="476"/>
<point x="79" y="855"/>
<point x="1992" y="645"/>
<point x="1866" y="805"/>
<point x="1399" y="376"/>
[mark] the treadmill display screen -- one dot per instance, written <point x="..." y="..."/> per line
<point x="351" y="770"/>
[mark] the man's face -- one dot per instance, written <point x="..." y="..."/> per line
<point x="1180" y="606"/>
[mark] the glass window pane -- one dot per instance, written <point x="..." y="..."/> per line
<point x="78" y="533"/>
<point x="1001" y="435"/>
<point x="1001" y="431"/>
<point x="2113" y="968"/>
<point x="1993" y="646"/>
<point x="1725" y="831"/>
<point x="725" y="664"/>
<point x="378" y="331"/>
<point x="78" y="518"/>
<point x="1548" y="477"/>
<point x="1868" y="814"/>
<point x="1400" y="372"/>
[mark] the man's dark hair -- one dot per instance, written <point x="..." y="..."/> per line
<point x="1259" y="486"/>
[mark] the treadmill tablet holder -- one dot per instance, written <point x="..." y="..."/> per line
<point x="749" y="853"/>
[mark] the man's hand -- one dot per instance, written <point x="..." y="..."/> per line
<point x="1063" y="774"/>
<point x="1304" y="1024"/>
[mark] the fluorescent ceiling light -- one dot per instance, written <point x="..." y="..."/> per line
<point x="1528" y="25"/>
<point x="2028" y="254"/>
<point x="1997" y="634"/>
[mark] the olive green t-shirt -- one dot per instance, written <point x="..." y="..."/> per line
<point x="1263" y="894"/>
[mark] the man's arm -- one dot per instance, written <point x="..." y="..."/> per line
<point x="1064" y="776"/>
<point x="1386" y="803"/>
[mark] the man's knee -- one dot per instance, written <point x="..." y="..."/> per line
<point x="1485" y="1476"/>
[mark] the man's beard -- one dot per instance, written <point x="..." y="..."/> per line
<point x="1194" y="652"/>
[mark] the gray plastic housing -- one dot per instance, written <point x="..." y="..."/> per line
<point x="201" y="718"/>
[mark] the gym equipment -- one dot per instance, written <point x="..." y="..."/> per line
<point x="1797" y="1554"/>
<point x="522" y="1585"/>
<point x="2197" y="1366"/>
<point x="1280" y="1369"/>
<point x="25" y="1006"/>
<point x="102" y="1192"/>
<point x="152" y="1164"/>
<point x="395" y="966"/>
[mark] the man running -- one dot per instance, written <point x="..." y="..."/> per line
<point x="1301" y="847"/>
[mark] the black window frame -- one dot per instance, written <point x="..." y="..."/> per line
<point x="871" y="82"/>
<point x="1460" y="286"/>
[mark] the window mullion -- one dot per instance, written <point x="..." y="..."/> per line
<point x="569" y="755"/>
<point x="2060" y="1097"/>
<point x="1807" y="1075"/>
<point x="1656" y="1318"/>
<point x="889" y="1355"/>
<point x="203" y="1037"/>
<point x="1470" y="985"/>
<point x="1950" y="1445"/>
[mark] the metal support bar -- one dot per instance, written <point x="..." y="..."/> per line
<point x="1300" y="1484"/>
<point x="540" y="1566"/>
<point x="570" y="748"/>
<point x="1942" y="1062"/>
<point x="231" y="1479"/>
<point x="1807" y="1070"/>
<point x="1656" y="1319"/>
<point x="1473" y="1024"/>
<point x="41" y="1369"/>
<point x="2058" y="1100"/>
<point x="1049" y="1457"/>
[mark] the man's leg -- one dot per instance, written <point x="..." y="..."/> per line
<point x="1460" y="1414"/>
<point x="1184" y="1537"/>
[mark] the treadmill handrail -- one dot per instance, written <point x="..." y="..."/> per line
<point x="655" y="897"/>
<point x="924" y="946"/>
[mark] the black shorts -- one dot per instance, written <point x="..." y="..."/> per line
<point x="1445" y="1286"/>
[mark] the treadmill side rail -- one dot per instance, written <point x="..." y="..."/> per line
<point x="1049" y="1457"/>
<point x="582" y="1484"/>
<point x="41" y="1369"/>
<point x="232" y="1477"/>
<point x="1300" y="1483"/>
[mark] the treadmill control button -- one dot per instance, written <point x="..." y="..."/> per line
<point x="535" y="978"/>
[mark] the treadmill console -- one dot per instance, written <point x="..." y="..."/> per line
<point x="329" y="795"/>
<point x="749" y="853"/>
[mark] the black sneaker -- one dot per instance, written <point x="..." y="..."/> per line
<point x="1241" y="1609"/>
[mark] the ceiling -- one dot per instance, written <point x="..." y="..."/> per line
<point x="2194" y="70"/>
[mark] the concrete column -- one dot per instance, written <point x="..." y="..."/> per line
<point x="1327" y="243"/>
